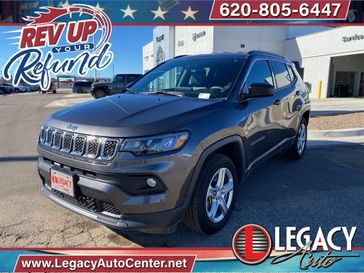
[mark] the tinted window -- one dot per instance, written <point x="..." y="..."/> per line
<point x="133" y="78"/>
<point x="120" y="78"/>
<point x="259" y="73"/>
<point x="281" y="73"/>
<point x="292" y="75"/>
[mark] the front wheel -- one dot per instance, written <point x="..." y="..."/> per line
<point x="214" y="196"/>
<point x="299" y="147"/>
<point x="99" y="93"/>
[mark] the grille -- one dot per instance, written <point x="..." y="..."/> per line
<point x="49" y="137"/>
<point x="88" y="203"/>
<point x="110" y="208"/>
<point x="109" y="148"/>
<point x="57" y="142"/>
<point x="93" y="148"/>
<point x="67" y="143"/>
<point x="80" y="145"/>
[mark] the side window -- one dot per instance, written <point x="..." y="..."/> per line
<point x="132" y="78"/>
<point x="120" y="79"/>
<point x="292" y="75"/>
<point x="259" y="73"/>
<point x="281" y="74"/>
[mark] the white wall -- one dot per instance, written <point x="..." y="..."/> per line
<point x="316" y="51"/>
<point x="148" y="57"/>
<point x="237" y="39"/>
<point x="187" y="41"/>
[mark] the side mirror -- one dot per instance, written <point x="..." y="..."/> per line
<point x="259" y="90"/>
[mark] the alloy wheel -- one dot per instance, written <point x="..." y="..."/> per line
<point x="219" y="195"/>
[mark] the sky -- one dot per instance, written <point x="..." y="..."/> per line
<point x="127" y="44"/>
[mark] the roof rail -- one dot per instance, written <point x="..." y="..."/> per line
<point x="265" y="53"/>
<point x="180" y="56"/>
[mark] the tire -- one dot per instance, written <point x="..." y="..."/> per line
<point x="298" y="149"/>
<point x="197" y="217"/>
<point x="99" y="93"/>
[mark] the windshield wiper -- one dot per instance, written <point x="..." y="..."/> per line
<point x="163" y="92"/>
<point x="128" y="90"/>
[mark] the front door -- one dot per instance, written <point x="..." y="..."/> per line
<point x="344" y="84"/>
<point x="263" y="114"/>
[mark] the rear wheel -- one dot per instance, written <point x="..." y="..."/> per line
<point x="299" y="147"/>
<point x="99" y="93"/>
<point x="214" y="196"/>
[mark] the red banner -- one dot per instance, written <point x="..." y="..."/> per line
<point x="279" y="9"/>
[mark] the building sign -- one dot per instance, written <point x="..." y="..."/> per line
<point x="196" y="36"/>
<point x="356" y="37"/>
<point x="160" y="38"/>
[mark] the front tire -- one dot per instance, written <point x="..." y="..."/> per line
<point x="299" y="147"/>
<point x="214" y="196"/>
<point x="99" y="93"/>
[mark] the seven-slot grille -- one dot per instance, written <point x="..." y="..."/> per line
<point x="80" y="145"/>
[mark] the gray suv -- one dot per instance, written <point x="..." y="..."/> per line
<point x="175" y="145"/>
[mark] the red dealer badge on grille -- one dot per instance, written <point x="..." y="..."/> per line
<point x="252" y="244"/>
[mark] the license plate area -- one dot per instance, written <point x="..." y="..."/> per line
<point x="62" y="182"/>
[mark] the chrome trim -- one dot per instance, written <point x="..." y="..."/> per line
<point x="271" y="150"/>
<point x="84" y="152"/>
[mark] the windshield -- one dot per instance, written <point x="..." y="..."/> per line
<point x="204" y="78"/>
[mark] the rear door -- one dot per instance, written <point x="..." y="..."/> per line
<point x="285" y="99"/>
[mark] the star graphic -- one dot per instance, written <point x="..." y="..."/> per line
<point x="189" y="13"/>
<point x="98" y="6"/>
<point x="66" y="5"/>
<point x="128" y="12"/>
<point x="159" y="13"/>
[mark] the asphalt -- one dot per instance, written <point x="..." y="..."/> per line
<point x="325" y="188"/>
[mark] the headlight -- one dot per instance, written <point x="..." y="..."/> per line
<point x="155" y="144"/>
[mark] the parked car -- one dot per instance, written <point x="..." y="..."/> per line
<point x="52" y="88"/>
<point x="32" y="88"/>
<point x="81" y="87"/>
<point x="175" y="147"/>
<point x="118" y="85"/>
<point x="7" y="88"/>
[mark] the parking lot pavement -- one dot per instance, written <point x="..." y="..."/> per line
<point x="325" y="188"/>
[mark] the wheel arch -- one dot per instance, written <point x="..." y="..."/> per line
<point x="232" y="146"/>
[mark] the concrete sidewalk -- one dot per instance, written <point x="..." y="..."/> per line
<point x="324" y="138"/>
<point x="336" y="106"/>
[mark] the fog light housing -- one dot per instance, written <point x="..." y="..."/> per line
<point x="152" y="182"/>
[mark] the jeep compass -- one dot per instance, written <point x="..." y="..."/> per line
<point x="174" y="146"/>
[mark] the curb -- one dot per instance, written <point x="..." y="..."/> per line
<point x="314" y="134"/>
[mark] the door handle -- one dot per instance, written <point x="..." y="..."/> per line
<point x="277" y="102"/>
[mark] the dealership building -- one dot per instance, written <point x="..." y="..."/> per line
<point x="330" y="59"/>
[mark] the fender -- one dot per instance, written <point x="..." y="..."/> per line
<point x="191" y="181"/>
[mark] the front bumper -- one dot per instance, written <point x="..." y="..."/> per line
<point x="108" y="196"/>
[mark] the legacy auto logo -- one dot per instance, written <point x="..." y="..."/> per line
<point x="65" y="30"/>
<point x="252" y="244"/>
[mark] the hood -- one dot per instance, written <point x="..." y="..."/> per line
<point x="131" y="115"/>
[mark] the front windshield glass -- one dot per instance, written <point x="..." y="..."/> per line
<point x="204" y="78"/>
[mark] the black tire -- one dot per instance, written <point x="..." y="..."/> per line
<point x="99" y="93"/>
<point x="197" y="217"/>
<point x="295" y="152"/>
